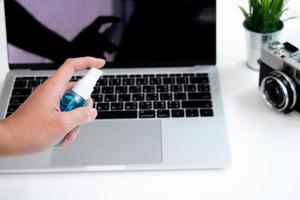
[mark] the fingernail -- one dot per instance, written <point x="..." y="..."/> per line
<point x="93" y="113"/>
<point x="101" y="60"/>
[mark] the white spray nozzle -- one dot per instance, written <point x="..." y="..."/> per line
<point x="85" y="86"/>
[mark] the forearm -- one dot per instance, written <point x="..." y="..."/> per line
<point x="6" y="140"/>
<point x="38" y="123"/>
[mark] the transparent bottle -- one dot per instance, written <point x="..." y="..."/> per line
<point x="71" y="100"/>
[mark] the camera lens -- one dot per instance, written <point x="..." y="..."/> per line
<point x="279" y="91"/>
<point x="274" y="93"/>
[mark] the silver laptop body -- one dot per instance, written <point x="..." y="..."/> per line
<point x="132" y="144"/>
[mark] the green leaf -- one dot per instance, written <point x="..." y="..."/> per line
<point x="276" y="6"/>
<point x="289" y="18"/>
<point x="257" y="23"/>
<point x="246" y="14"/>
<point x="264" y="15"/>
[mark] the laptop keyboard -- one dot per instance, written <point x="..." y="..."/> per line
<point x="137" y="96"/>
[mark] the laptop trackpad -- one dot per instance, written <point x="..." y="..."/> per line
<point x="113" y="143"/>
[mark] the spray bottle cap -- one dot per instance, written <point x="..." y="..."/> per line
<point x="85" y="86"/>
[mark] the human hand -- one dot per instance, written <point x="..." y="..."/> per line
<point x="38" y="123"/>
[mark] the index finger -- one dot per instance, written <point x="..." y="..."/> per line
<point x="71" y="65"/>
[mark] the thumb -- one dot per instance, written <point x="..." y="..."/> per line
<point x="79" y="116"/>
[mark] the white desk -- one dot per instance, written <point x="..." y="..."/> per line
<point x="265" y="145"/>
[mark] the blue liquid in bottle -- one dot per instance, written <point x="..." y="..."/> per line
<point x="70" y="101"/>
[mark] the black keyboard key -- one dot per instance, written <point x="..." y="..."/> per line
<point x="182" y="80"/>
<point x="147" y="114"/>
<point x="20" y="92"/>
<point x="108" y="76"/>
<point x="148" y="75"/>
<point x="33" y="83"/>
<point x="128" y="81"/>
<point x="206" y="113"/>
<point x="196" y="104"/>
<point x="173" y="104"/>
<point x="189" y="74"/>
<point x="159" y="105"/>
<point x="166" y="96"/>
<point x="199" y="95"/>
<point x="20" y="84"/>
<point x="163" y="113"/>
<point x="96" y="90"/>
<point x="180" y="96"/>
<point x="192" y="112"/>
<point x="177" y="113"/>
<point x="115" y="81"/>
<point x="190" y="88"/>
<point x="170" y="80"/>
<point x="41" y="78"/>
<point x="102" y="82"/>
<point x="135" y="89"/>
<point x="142" y="81"/>
<point x="117" y="114"/>
<point x="202" y="74"/>
<point x="121" y="89"/>
<point x="135" y="75"/>
<point x="155" y="81"/>
<point x="97" y="97"/>
<point x="107" y="90"/>
<point x="176" y="88"/>
<point x="199" y="80"/>
<point x="203" y="88"/>
<point x="24" y="78"/>
<point x="152" y="97"/>
<point x="122" y="76"/>
<point x="12" y="108"/>
<point x="116" y="106"/>
<point x="124" y="97"/>
<point x="110" y="98"/>
<point x="161" y="75"/>
<point x="162" y="88"/>
<point x="148" y="89"/>
<point x="138" y="97"/>
<point x="145" y="105"/>
<point x="131" y="106"/>
<point x="102" y="106"/>
<point x="17" y="99"/>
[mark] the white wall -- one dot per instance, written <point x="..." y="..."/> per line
<point x="3" y="47"/>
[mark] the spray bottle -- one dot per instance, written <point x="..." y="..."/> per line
<point x="80" y="93"/>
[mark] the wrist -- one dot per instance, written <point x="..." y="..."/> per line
<point x="6" y="140"/>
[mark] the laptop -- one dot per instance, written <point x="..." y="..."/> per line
<point x="159" y="101"/>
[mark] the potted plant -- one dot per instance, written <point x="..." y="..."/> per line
<point x="262" y="24"/>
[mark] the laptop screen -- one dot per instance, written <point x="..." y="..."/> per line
<point x="127" y="33"/>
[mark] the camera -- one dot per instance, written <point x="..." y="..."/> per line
<point x="279" y="77"/>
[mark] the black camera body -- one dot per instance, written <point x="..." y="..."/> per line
<point x="279" y="78"/>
